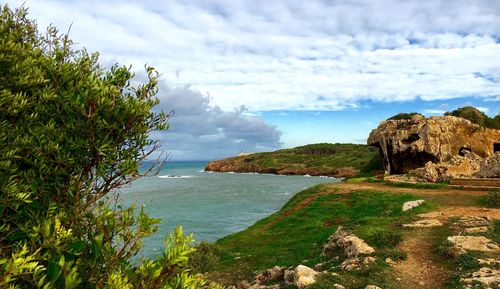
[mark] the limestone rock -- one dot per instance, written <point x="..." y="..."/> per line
<point x="473" y="221"/>
<point x="356" y="263"/>
<point x="275" y="273"/>
<point x="304" y="276"/>
<point x="486" y="276"/>
<point x="372" y="287"/>
<point x="425" y="223"/>
<point x="411" y="143"/>
<point x="338" y="286"/>
<point x="473" y="243"/>
<point x="352" y="245"/>
<point x="490" y="167"/>
<point x="489" y="262"/>
<point x="289" y="276"/>
<point x="408" y="206"/>
<point x="475" y="230"/>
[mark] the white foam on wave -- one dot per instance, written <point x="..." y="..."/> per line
<point x="174" y="177"/>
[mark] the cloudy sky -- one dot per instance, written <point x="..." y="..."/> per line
<point x="260" y="75"/>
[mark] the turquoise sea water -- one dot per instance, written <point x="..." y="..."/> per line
<point x="210" y="205"/>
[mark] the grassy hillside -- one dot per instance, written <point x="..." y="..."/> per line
<point x="296" y="234"/>
<point x="342" y="160"/>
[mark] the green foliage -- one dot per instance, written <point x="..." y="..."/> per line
<point x="476" y="116"/>
<point x="491" y="200"/>
<point x="404" y="115"/>
<point x="205" y="258"/>
<point x="71" y="134"/>
<point x="314" y="159"/>
<point x="467" y="261"/>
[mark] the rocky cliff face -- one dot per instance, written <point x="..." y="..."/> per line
<point x="411" y="143"/>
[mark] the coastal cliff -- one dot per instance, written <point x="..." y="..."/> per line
<point x="334" y="160"/>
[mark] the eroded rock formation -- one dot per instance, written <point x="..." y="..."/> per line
<point x="408" y="144"/>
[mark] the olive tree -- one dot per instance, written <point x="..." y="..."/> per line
<point x="71" y="133"/>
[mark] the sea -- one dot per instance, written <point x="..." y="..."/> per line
<point x="207" y="204"/>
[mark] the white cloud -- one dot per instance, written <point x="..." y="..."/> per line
<point x="200" y="130"/>
<point x="297" y="55"/>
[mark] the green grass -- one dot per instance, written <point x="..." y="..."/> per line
<point x="314" y="159"/>
<point x="492" y="200"/>
<point x="419" y="185"/>
<point x="296" y="234"/>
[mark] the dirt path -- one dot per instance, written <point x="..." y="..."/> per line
<point x="421" y="269"/>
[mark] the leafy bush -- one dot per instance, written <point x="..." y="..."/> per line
<point x="71" y="134"/>
<point x="476" y="116"/>
<point x="404" y="115"/>
<point x="205" y="257"/>
<point x="492" y="200"/>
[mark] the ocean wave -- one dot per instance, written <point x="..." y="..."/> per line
<point x="175" y="177"/>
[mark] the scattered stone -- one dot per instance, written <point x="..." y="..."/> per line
<point x="356" y="263"/>
<point x="372" y="287"/>
<point x="473" y="221"/>
<point x="368" y="260"/>
<point x="475" y="230"/>
<point x="351" y="264"/>
<point x="473" y="243"/>
<point x="289" y="276"/>
<point x="352" y="245"/>
<point x="489" y="262"/>
<point x="425" y="223"/>
<point x="319" y="266"/>
<point x="408" y="206"/>
<point x="275" y="273"/>
<point x="338" y="286"/>
<point x="485" y="276"/>
<point x="390" y="262"/>
<point x="304" y="276"/>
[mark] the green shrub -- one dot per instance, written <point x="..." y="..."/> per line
<point x="467" y="261"/>
<point x="205" y="258"/>
<point x="491" y="200"/>
<point x="404" y="115"/>
<point x="72" y="133"/>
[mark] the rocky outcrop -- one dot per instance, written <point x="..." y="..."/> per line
<point x="462" y="244"/>
<point x="485" y="276"/>
<point x="239" y="165"/>
<point x="408" y="144"/>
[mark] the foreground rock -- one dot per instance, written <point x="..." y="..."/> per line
<point x="304" y="276"/>
<point x="462" y="244"/>
<point x="349" y="243"/>
<point x="411" y="143"/>
<point x="355" y="248"/>
<point x="485" y="276"/>
<point x="408" y="206"/>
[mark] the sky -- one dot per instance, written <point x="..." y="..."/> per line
<point x="248" y="76"/>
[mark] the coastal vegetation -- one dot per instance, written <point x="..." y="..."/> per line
<point x="72" y="133"/>
<point x="372" y="211"/>
<point x="324" y="159"/>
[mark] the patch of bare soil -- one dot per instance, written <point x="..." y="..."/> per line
<point x="421" y="269"/>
